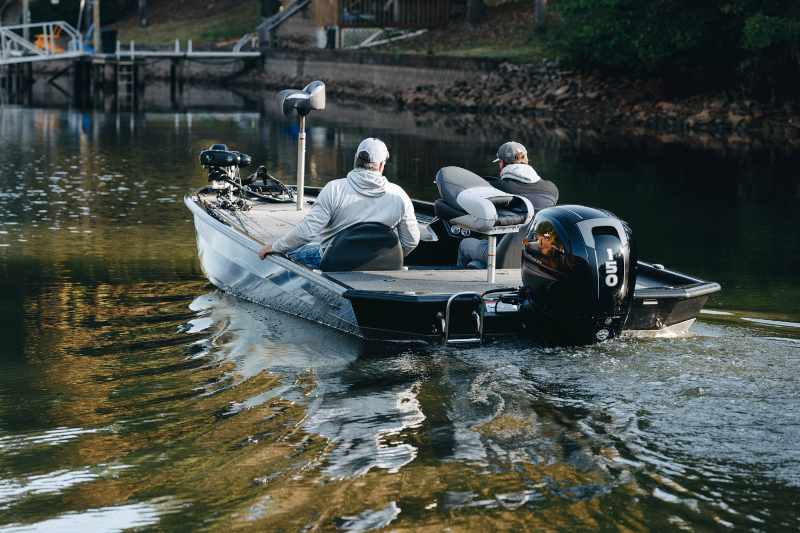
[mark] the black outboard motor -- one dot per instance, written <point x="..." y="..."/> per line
<point x="578" y="274"/>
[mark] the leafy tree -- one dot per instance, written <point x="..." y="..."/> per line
<point x="67" y="10"/>
<point x="713" y="41"/>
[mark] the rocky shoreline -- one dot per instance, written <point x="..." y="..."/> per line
<point x="558" y="98"/>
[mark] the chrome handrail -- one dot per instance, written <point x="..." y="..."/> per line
<point x="13" y="44"/>
<point x="446" y="332"/>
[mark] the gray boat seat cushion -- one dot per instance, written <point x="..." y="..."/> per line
<point x="363" y="247"/>
<point x="452" y="181"/>
<point x="312" y="97"/>
<point x="470" y="201"/>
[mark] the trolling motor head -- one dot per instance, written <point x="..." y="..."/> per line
<point x="222" y="163"/>
<point x="578" y="275"/>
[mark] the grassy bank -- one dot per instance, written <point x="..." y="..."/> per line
<point x="203" y="24"/>
<point x="507" y="33"/>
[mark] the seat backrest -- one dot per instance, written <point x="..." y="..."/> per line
<point x="368" y="246"/>
<point x="312" y="97"/>
<point x="451" y="181"/>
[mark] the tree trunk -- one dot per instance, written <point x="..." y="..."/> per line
<point x="540" y="10"/>
<point x="143" y="13"/>
<point x="476" y="12"/>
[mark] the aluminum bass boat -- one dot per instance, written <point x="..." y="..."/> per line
<point x="564" y="275"/>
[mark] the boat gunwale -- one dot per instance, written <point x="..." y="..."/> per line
<point x="691" y="286"/>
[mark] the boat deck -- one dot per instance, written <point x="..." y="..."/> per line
<point x="268" y="222"/>
<point x="264" y="222"/>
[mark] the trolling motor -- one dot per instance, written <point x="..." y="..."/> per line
<point x="224" y="166"/>
<point x="578" y="274"/>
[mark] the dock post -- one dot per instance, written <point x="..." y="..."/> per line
<point x="183" y="66"/>
<point x="28" y="82"/>
<point x="172" y="80"/>
<point x="25" y="16"/>
<point x="96" y="17"/>
<point x="133" y="81"/>
<point x="301" y="162"/>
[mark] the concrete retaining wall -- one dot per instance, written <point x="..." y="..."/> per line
<point x="386" y="70"/>
<point x="395" y="71"/>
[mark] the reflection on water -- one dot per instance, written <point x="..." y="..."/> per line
<point x="133" y="395"/>
<point x="275" y="423"/>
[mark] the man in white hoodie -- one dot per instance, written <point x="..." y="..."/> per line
<point x="516" y="177"/>
<point x="365" y="195"/>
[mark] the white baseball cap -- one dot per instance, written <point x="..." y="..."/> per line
<point x="376" y="149"/>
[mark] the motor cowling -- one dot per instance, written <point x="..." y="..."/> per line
<point x="578" y="274"/>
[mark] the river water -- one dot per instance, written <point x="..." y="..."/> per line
<point x="136" y="396"/>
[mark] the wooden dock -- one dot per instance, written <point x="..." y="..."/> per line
<point x="93" y="77"/>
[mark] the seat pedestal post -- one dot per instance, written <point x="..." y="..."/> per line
<point x="301" y="162"/>
<point x="492" y="259"/>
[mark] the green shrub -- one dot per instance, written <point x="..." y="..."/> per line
<point x="706" y="41"/>
<point x="762" y="31"/>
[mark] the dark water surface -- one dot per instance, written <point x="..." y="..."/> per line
<point x="134" y="396"/>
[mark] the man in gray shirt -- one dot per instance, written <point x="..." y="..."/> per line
<point x="365" y="195"/>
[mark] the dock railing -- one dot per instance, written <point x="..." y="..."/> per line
<point x="14" y="48"/>
<point x="178" y="52"/>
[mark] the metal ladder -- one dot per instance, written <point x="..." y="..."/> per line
<point x="126" y="81"/>
<point x="125" y="85"/>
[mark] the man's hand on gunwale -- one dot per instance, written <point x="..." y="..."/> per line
<point x="267" y="249"/>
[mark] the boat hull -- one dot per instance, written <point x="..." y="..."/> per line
<point x="230" y="261"/>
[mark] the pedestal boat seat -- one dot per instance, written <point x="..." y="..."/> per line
<point x="470" y="202"/>
<point x="310" y="98"/>
<point x="363" y="247"/>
